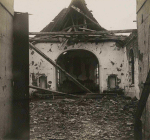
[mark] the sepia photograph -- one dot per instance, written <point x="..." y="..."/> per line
<point x="74" y="69"/>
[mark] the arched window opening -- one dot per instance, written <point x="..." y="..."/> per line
<point x="131" y="67"/>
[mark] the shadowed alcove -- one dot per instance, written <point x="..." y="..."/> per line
<point x="83" y="66"/>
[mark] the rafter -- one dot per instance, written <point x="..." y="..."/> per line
<point x="66" y="23"/>
<point x="79" y="11"/>
<point x="73" y="24"/>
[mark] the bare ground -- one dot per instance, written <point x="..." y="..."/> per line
<point x="108" y="118"/>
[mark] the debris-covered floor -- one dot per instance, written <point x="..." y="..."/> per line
<point x="108" y="118"/>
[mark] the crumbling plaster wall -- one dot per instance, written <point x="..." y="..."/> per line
<point x="132" y="90"/>
<point x="110" y="56"/>
<point x="143" y="24"/>
<point x="6" y="46"/>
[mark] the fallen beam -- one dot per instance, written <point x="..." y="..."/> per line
<point x="83" y="33"/>
<point x="51" y="91"/>
<point x="58" y="67"/>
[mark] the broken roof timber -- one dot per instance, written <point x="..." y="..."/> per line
<point x="79" y="11"/>
<point x="83" y="33"/>
<point x="51" y="91"/>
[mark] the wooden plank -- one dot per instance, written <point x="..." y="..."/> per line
<point x="51" y="91"/>
<point x="83" y="33"/>
<point x="79" y="11"/>
<point x="58" y="67"/>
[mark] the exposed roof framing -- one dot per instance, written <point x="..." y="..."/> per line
<point x="84" y="27"/>
<point x="79" y="11"/>
<point x="63" y="20"/>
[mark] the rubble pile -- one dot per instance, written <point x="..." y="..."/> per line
<point x="108" y="118"/>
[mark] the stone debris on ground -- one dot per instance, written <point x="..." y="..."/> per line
<point x="109" y="118"/>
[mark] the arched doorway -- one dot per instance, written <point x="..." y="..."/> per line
<point x="83" y="66"/>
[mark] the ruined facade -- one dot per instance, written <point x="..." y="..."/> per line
<point x="143" y="24"/>
<point x="102" y="63"/>
<point x="132" y="61"/>
<point x="107" y="55"/>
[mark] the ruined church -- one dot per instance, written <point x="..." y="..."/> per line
<point x="98" y="59"/>
<point x="101" y="63"/>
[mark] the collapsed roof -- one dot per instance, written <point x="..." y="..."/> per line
<point x="72" y="17"/>
<point x="76" y="18"/>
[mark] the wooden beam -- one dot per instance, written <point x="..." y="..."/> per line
<point x="87" y="29"/>
<point x="66" y="40"/>
<point x="73" y="24"/>
<point x="79" y="11"/>
<point x="58" y="67"/>
<point x="45" y="40"/>
<point x="83" y="33"/>
<point x="51" y="91"/>
<point x="66" y="23"/>
<point x="85" y="26"/>
<point x="98" y="37"/>
<point x="81" y="40"/>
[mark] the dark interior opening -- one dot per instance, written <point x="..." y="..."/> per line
<point x="83" y="66"/>
<point x="131" y="67"/>
<point x="112" y="81"/>
<point x="43" y="81"/>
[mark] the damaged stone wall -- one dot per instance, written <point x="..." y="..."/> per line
<point x="109" y="54"/>
<point x="143" y="24"/>
<point x="6" y="76"/>
<point x="132" y="89"/>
